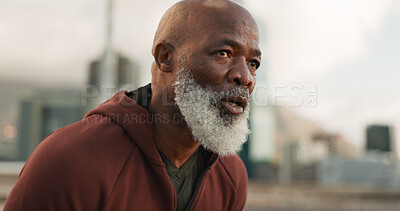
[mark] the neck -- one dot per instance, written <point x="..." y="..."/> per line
<point x="173" y="139"/>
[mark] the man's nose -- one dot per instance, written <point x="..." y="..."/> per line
<point x="240" y="74"/>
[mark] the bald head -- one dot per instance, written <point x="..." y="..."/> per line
<point x="217" y="39"/>
<point x="187" y="18"/>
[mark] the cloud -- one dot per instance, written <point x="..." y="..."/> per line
<point x="48" y="41"/>
<point x="306" y="39"/>
<point x="54" y="41"/>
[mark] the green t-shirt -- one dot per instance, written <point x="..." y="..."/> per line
<point x="183" y="179"/>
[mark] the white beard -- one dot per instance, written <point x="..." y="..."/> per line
<point x="216" y="129"/>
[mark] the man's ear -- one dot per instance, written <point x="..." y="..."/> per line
<point x="163" y="56"/>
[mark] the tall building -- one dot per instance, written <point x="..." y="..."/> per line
<point x="379" y="138"/>
<point x="260" y="147"/>
<point x="126" y="74"/>
<point x="112" y="72"/>
<point x="42" y="113"/>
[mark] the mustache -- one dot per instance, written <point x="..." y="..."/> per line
<point x="188" y="82"/>
<point x="234" y="92"/>
<point x="216" y="96"/>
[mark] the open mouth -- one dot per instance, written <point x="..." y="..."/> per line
<point x="234" y="105"/>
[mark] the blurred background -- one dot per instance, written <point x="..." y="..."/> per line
<point x="325" y="111"/>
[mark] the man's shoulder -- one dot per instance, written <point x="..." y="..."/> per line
<point x="92" y="144"/>
<point x="76" y="165"/>
<point x="95" y="134"/>
<point x="233" y="163"/>
<point x="235" y="168"/>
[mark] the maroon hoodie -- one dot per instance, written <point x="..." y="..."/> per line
<point x="108" y="161"/>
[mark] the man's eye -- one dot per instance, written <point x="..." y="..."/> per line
<point x="223" y="53"/>
<point x="254" y="64"/>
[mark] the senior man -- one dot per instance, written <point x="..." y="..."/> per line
<point x="170" y="145"/>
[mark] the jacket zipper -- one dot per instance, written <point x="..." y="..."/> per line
<point x="198" y="182"/>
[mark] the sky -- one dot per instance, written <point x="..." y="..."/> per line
<point x="348" y="49"/>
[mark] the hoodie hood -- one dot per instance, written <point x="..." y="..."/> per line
<point x="129" y="110"/>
